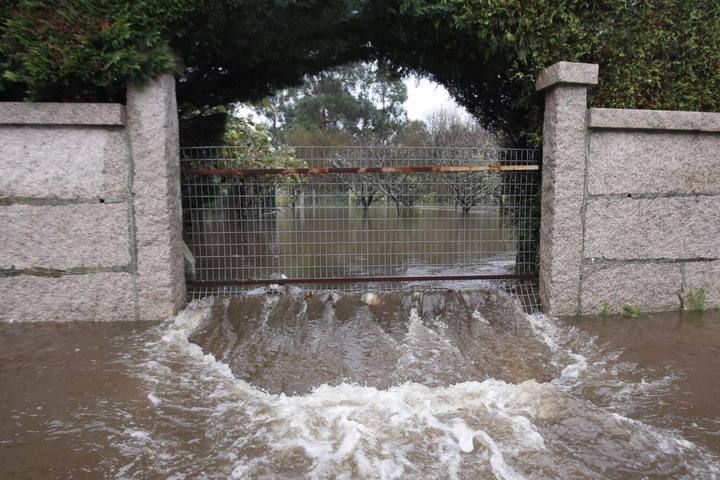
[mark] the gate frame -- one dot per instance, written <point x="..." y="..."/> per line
<point x="517" y="166"/>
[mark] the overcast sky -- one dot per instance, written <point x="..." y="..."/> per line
<point x="425" y="96"/>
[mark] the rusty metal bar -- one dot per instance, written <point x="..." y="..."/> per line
<point x="361" y="218"/>
<point x="254" y="172"/>
<point x="332" y="280"/>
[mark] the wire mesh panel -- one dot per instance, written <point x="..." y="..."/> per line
<point x="355" y="218"/>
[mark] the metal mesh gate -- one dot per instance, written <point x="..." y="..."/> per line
<point x="356" y="218"/>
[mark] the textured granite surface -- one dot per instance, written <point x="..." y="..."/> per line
<point x="64" y="236"/>
<point x="703" y="275"/>
<point x="37" y="113"/>
<point x="90" y="203"/>
<point x="91" y="297"/>
<point x="663" y="120"/>
<point x="653" y="228"/>
<point x="651" y="287"/>
<point x="153" y="133"/>
<point x="568" y="73"/>
<point x="630" y="202"/>
<point x="64" y="163"/>
<point x="561" y="231"/>
<point x="622" y="162"/>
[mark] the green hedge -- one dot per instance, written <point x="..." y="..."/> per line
<point x="660" y="54"/>
<point x="84" y="49"/>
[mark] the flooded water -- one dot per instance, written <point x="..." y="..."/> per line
<point x="338" y="241"/>
<point x="435" y="384"/>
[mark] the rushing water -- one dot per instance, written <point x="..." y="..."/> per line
<point x="435" y="384"/>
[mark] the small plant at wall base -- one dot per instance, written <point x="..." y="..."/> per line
<point x="631" y="311"/>
<point x="605" y="312"/>
<point x="696" y="301"/>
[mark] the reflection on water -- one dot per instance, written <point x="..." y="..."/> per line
<point x="403" y="385"/>
<point x="339" y="241"/>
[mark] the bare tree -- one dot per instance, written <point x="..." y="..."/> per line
<point x="463" y="141"/>
<point x="402" y="189"/>
<point x="450" y="128"/>
<point x="365" y="187"/>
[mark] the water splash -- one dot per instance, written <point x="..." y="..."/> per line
<point x="436" y="384"/>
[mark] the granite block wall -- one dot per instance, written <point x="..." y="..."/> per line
<point x="90" y="223"/>
<point x="631" y="202"/>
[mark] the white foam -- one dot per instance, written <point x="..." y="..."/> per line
<point x="463" y="434"/>
<point x="478" y="317"/>
<point x="491" y="427"/>
<point x="357" y="418"/>
<point x="138" y="434"/>
<point x="370" y="298"/>
<point x="547" y="329"/>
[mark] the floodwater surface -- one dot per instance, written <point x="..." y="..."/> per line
<point x="334" y="241"/>
<point x="434" y="384"/>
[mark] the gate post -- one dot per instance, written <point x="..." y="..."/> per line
<point x="156" y="217"/>
<point x="563" y="183"/>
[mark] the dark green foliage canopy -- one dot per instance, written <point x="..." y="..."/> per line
<point x="83" y="49"/>
<point x="652" y="54"/>
<point x="657" y="54"/>
<point x="224" y="50"/>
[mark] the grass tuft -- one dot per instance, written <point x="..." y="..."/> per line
<point x="696" y="300"/>
<point x="631" y="311"/>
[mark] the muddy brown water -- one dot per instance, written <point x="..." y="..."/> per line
<point x="435" y="384"/>
<point x="336" y="241"/>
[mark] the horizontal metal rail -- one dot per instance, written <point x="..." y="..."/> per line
<point x="254" y="172"/>
<point x="330" y="280"/>
<point x="358" y="218"/>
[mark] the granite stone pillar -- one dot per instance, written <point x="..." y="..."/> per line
<point x="563" y="183"/>
<point x="152" y="125"/>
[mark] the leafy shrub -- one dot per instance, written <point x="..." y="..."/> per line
<point x="84" y="49"/>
